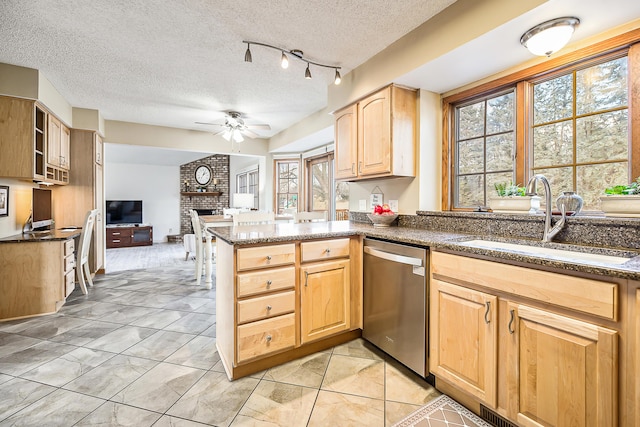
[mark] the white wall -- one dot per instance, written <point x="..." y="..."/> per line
<point x="157" y="186"/>
<point x="19" y="206"/>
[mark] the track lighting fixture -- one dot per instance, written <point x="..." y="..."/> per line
<point x="284" y="59"/>
<point x="550" y="36"/>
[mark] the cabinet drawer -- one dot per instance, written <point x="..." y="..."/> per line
<point x="69" y="283"/>
<point x="265" y="336"/>
<point x="595" y="297"/>
<point x="69" y="263"/>
<point x="267" y="306"/>
<point x="324" y="249"/>
<point x="265" y="256"/>
<point x="259" y="282"/>
<point x="69" y="247"/>
<point x="118" y="233"/>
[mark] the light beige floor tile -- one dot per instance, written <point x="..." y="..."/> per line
<point x="396" y="411"/>
<point x="355" y="375"/>
<point x="121" y="339"/>
<point x="112" y="376"/>
<point x="344" y="410"/>
<point x="159" y="346"/>
<point x="277" y="404"/>
<point x="167" y="421"/>
<point x="160" y="387"/>
<point x="214" y="399"/>
<point x="192" y="323"/>
<point x="403" y="385"/>
<point x="68" y="367"/>
<point x="17" y="394"/>
<point x="116" y="414"/>
<point x="159" y="320"/>
<point x="200" y="352"/>
<point x="359" y="348"/>
<point x="307" y="371"/>
<point x="60" y="408"/>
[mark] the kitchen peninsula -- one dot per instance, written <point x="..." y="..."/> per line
<point x="588" y="306"/>
<point x="38" y="273"/>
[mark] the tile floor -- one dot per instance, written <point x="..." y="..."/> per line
<point x="139" y="350"/>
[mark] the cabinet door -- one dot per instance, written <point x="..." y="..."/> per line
<point x="65" y="147"/>
<point x="98" y="238"/>
<point x="374" y="134"/>
<point x="324" y="299"/>
<point x="53" y="141"/>
<point x="565" y="370"/>
<point x="346" y="151"/>
<point x="463" y="339"/>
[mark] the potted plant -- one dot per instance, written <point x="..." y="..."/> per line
<point x="513" y="198"/>
<point x="622" y="200"/>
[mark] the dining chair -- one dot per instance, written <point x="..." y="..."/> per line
<point x="245" y="218"/>
<point x="199" y="245"/>
<point x="82" y="254"/>
<point x="314" y="216"/>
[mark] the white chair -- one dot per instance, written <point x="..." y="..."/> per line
<point x="247" y="218"/>
<point x="315" y="216"/>
<point x="82" y="254"/>
<point x="189" y="242"/>
<point x="199" y="246"/>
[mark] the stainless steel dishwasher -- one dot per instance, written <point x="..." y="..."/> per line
<point x="395" y="301"/>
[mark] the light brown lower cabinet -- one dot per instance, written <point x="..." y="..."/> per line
<point x="527" y="360"/>
<point x="279" y="301"/>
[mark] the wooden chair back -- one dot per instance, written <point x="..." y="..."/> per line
<point x="315" y="216"/>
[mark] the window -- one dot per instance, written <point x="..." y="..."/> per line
<point x="287" y="184"/>
<point x="319" y="189"/>
<point x="567" y="119"/>
<point x="580" y="130"/>
<point x="247" y="182"/>
<point x="485" y="148"/>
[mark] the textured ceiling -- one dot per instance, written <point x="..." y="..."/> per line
<point x="175" y="62"/>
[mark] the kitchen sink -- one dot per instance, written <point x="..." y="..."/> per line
<point x="568" y="255"/>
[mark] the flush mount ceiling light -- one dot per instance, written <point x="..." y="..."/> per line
<point x="550" y="36"/>
<point x="295" y="53"/>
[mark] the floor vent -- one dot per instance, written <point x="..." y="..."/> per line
<point x="494" y="419"/>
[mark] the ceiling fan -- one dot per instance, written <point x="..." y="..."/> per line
<point x="234" y="127"/>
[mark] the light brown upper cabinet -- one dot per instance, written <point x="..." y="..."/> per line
<point x="376" y="136"/>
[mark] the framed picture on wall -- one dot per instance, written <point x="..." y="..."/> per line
<point x="4" y="200"/>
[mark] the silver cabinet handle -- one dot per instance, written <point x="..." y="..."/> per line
<point x="359" y="167"/>
<point x="328" y="251"/>
<point x="513" y="318"/>
<point x="306" y="278"/>
<point x="353" y="168"/>
<point x="269" y="308"/>
<point x="268" y="338"/>
<point x="393" y="257"/>
<point x="486" y="313"/>
<point x="268" y="283"/>
<point x="268" y="257"/>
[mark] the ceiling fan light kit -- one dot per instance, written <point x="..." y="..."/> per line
<point x="234" y="127"/>
<point x="296" y="53"/>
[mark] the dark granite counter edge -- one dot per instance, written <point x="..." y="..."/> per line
<point x="53" y="235"/>
<point x="448" y="241"/>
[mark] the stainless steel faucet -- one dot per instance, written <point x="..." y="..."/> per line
<point x="549" y="231"/>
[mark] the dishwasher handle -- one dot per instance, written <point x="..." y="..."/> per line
<point x="416" y="262"/>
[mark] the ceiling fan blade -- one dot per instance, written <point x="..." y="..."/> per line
<point x="211" y="124"/>
<point x="250" y="134"/>
<point x="220" y="131"/>
<point x="259" y="127"/>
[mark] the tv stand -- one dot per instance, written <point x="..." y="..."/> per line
<point x="128" y="235"/>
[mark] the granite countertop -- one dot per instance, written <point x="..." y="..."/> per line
<point x="42" y="236"/>
<point x="438" y="240"/>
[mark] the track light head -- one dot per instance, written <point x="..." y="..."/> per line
<point x="338" y="78"/>
<point x="307" y="73"/>
<point x="247" y="55"/>
<point x="284" y="61"/>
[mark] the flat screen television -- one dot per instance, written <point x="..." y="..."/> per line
<point x="124" y="212"/>
<point x="41" y="217"/>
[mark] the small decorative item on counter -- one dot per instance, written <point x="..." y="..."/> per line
<point x="382" y="216"/>
<point x="571" y="201"/>
<point x="513" y="198"/>
<point x="622" y="200"/>
<point x="186" y="186"/>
